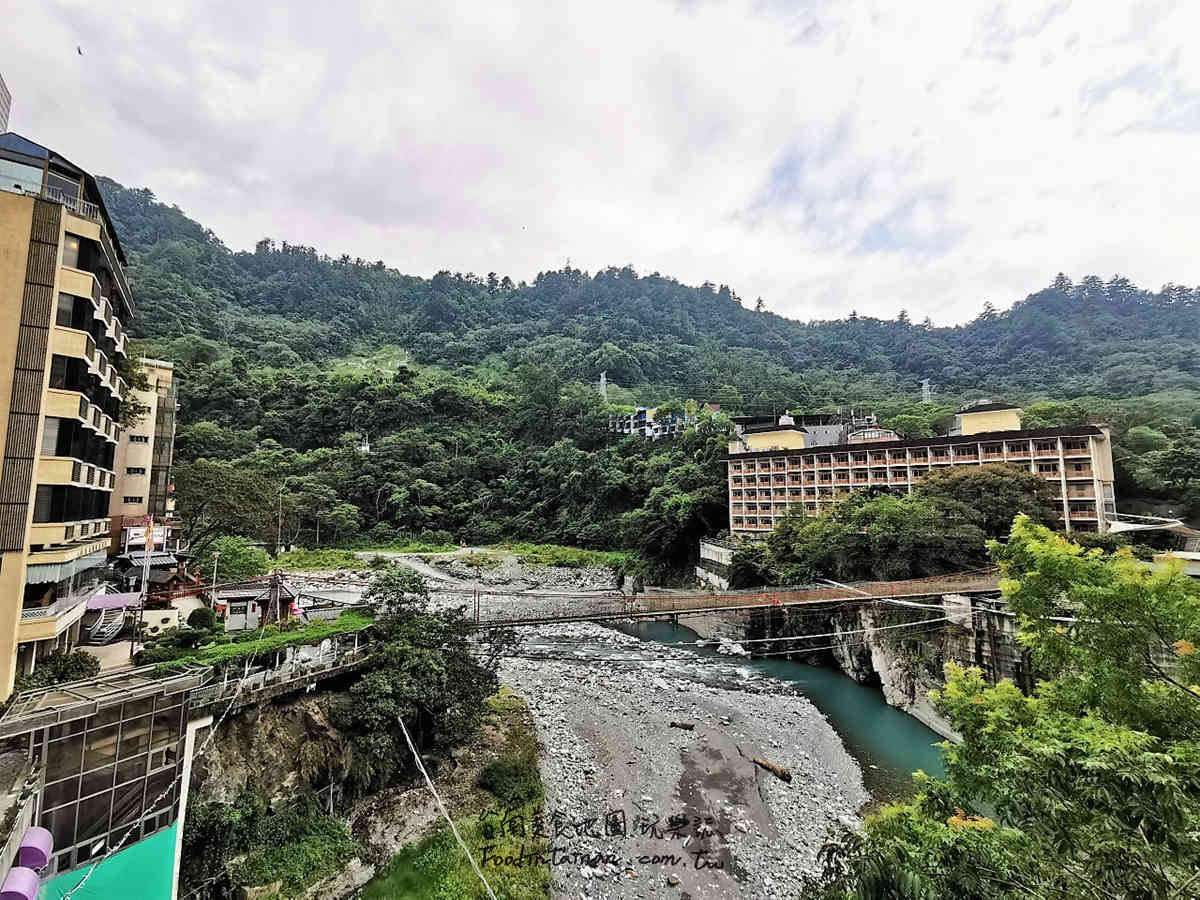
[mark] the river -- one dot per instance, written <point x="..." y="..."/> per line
<point x="889" y="745"/>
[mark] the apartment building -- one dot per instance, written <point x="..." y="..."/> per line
<point x="63" y="299"/>
<point x="143" y="465"/>
<point x="648" y="422"/>
<point x="774" y="468"/>
<point x="5" y="104"/>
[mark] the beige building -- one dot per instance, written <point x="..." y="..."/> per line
<point x="769" y="473"/>
<point x="143" y="465"/>
<point x="63" y="298"/>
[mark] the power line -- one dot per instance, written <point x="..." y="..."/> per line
<point x="445" y="815"/>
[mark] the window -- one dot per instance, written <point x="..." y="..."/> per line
<point x="139" y="439"/>
<point x="71" y="251"/>
<point x="50" y="436"/>
<point x="68" y="187"/>
<point x="66" y="310"/>
<point x="135" y="470"/>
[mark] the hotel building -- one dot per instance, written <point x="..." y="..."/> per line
<point x="143" y="466"/>
<point x="774" y="468"/>
<point x="63" y="302"/>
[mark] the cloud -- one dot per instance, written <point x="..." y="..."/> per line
<point x="824" y="155"/>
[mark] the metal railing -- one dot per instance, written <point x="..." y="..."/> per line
<point x="57" y="608"/>
<point x="83" y="208"/>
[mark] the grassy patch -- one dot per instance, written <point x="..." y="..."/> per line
<point x="435" y="868"/>
<point x="416" y="545"/>
<point x="307" y="560"/>
<point x="250" y="643"/>
<point x="481" y="560"/>
<point x="308" y="848"/>
<point x="569" y="557"/>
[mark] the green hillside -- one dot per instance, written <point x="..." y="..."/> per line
<point x="478" y="394"/>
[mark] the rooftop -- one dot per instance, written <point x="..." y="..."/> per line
<point x="79" y="699"/>
<point x="983" y="437"/>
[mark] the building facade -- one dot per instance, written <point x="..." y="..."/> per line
<point x="145" y="456"/>
<point x="765" y="482"/>
<point x="63" y="299"/>
<point x="5" y="104"/>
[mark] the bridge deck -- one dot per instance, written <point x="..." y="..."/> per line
<point x="643" y="607"/>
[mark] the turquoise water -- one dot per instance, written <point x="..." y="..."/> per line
<point x="888" y="744"/>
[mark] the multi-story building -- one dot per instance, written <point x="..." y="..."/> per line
<point x="143" y="465"/>
<point x="774" y="468"/>
<point x="63" y="298"/>
<point x="648" y="422"/>
<point x="5" y="104"/>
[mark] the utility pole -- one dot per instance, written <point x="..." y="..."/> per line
<point x="604" y="386"/>
<point x="279" y="526"/>
<point x="216" y="557"/>
<point x="147" y="552"/>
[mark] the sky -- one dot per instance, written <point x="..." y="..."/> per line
<point x="825" y="156"/>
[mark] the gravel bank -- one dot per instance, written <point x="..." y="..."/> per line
<point x="608" y="746"/>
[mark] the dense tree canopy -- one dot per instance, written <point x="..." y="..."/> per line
<point x="1089" y="788"/>
<point x="478" y="398"/>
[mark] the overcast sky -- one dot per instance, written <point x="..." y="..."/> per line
<point x="826" y="156"/>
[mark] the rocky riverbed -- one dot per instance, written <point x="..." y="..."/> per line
<point x="639" y="808"/>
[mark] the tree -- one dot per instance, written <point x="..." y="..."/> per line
<point x="239" y="559"/>
<point x="760" y="306"/>
<point x="214" y="499"/>
<point x="996" y="493"/>
<point x="883" y="537"/>
<point x="1088" y="788"/>
<point x="432" y="672"/>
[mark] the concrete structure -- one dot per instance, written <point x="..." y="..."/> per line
<point x="5" y="104"/>
<point x="765" y="483"/>
<point x="63" y="298"/>
<point x="716" y="560"/>
<point x="143" y="465"/>
<point x="648" y="422"/>
<point x="986" y="415"/>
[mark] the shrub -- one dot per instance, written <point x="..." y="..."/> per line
<point x="59" y="668"/>
<point x="203" y="619"/>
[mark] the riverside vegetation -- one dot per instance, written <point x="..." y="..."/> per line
<point x="1090" y="787"/>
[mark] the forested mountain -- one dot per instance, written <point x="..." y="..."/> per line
<point x="480" y="419"/>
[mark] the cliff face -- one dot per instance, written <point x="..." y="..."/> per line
<point x="273" y="749"/>
<point x="878" y="660"/>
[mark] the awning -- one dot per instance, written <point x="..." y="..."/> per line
<point x="43" y="573"/>
<point x="138" y="558"/>
<point x="113" y="601"/>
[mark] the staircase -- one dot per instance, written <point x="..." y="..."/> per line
<point x="107" y="627"/>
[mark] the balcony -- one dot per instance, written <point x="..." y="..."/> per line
<point x="72" y="342"/>
<point x="1081" y="450"/>
<point x="1046" y="451"/>
<point x="39" y="623"/>
<point x="1019" y="451"/>
<point x="1085" y="472"/>
<point x="50" y="533"/>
